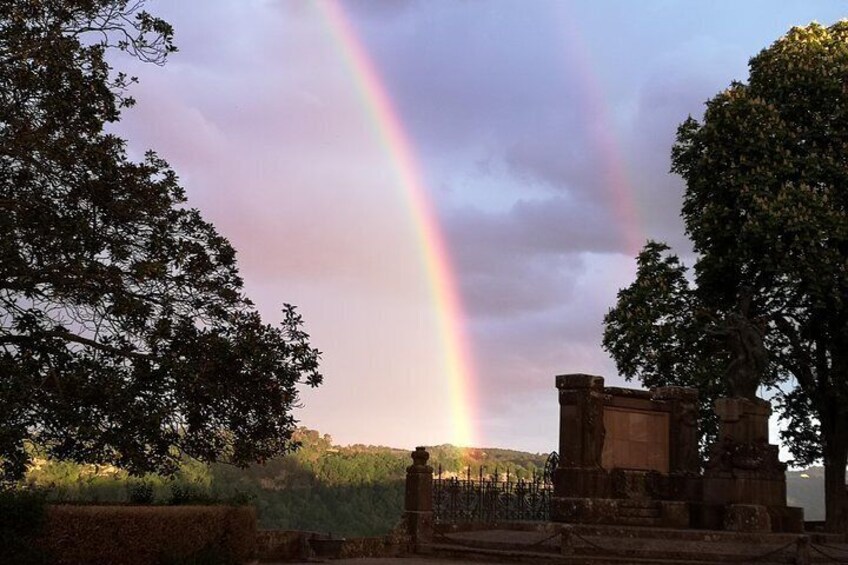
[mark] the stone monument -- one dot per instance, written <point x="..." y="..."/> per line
<point x="630" y="457"/>
<point x="744" y="476"/>
<point x="626" y="456"/>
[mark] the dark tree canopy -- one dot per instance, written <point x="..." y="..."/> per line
<point x="657" y="333"/>
<point x="125" y="335"/>
<point x="766" y="207"/>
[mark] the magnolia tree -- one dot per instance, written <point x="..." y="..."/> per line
<point x="125" y="336"/>
<point x="766" y="207"/>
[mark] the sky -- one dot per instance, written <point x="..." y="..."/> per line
<point x="451" y="192"/>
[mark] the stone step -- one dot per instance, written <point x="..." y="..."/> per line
<point x="448" y="551"/>
<point x="525" y="545"/>
<point x="638" y="502"/>
<point x="650" y="521"/>
<point x="639" y="511"/>
<point x="622" y="531"/>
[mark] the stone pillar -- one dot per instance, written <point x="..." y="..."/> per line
<point x="684" y="458"/>
<point x="581" y="441"/>
<point x="581" y="420"/>
<point x="418" y="505"/>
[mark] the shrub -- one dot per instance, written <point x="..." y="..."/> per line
<point x="140" y="493"/>
<point x="188" y="493"/>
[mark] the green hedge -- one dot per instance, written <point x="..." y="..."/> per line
<point x="146" y="535"/>
<point x="22" y="518"/>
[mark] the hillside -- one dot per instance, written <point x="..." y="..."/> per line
<point x="805" y="488"/>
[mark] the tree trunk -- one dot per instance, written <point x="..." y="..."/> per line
<point x="835" y="439"/>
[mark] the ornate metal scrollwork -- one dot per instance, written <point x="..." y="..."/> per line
<point x="493" y="497"/>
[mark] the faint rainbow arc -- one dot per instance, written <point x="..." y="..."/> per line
<point x="623" y="204"/>
<point x="437" y="262"/>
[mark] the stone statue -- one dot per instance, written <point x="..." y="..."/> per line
<point x="748" y="356"/>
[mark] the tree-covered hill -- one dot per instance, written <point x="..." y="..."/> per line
<point x="805" y="488"/>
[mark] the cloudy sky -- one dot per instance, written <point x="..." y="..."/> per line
<point x="542" y="132"/>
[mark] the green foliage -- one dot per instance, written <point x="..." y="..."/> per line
<point x="125" y="336"/>
<point x="140" y="492"/>
<point x="657" y="333"/>
<point x="188" y="493"/>
<point x="767" y="211"/>
<point x="22" y="516"/>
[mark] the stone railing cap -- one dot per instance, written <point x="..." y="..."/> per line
<point x="579" y="380"/>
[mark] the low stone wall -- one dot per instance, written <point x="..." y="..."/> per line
<point x="294" y="545"/>
<point x="282" y="545"/>
<point x="385" y="546"/>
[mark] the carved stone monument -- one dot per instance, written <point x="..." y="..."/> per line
<point x="626" y="456"/>
<point x="631" y="457"/>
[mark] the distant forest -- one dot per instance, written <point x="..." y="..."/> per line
<point x="355" y="490"/>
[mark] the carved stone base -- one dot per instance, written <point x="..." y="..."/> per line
<point x="738" y="517"/>
<point x="743" y="468"/>
<point x="583" y="510"/>
<point x="577" y="482"/>
<point x="617" y="511"/>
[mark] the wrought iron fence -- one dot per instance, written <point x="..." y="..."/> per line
<point x="493" y="497"/>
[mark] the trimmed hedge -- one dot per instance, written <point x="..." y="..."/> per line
<point x="149" y="535"/>
<point x="22" y="517"/>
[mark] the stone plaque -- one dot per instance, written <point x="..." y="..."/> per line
<point x="635" y="439"/>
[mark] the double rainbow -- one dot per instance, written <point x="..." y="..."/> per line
<point x="437" y="262"/>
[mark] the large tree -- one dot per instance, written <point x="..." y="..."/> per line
<point x="766" y="207"/>
<point x="125" y="336"/>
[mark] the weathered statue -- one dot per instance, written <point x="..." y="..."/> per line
<point x="748" y="356"/>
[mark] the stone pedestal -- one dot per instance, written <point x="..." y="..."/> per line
<point x="743" y="420"/>
<point x="744" y="475"/>
<point x="581" y="437"/>
<point x="581" y="432"/>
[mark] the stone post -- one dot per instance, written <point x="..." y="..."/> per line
<point x="418" y="506"/>
<point x="579" y="475"/>
<point x="581" y="420"/>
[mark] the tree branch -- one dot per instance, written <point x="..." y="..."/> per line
<point x="74" y="338"/>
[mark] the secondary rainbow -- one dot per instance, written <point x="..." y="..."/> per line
<point x="437" y="262"/>
<point x="600" y="127"/>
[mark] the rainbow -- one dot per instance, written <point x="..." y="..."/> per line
<point x="437" y="261"/>
<point x="601" y="130"/>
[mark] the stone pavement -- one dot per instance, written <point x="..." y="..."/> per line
<point x="412" y="560"/>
